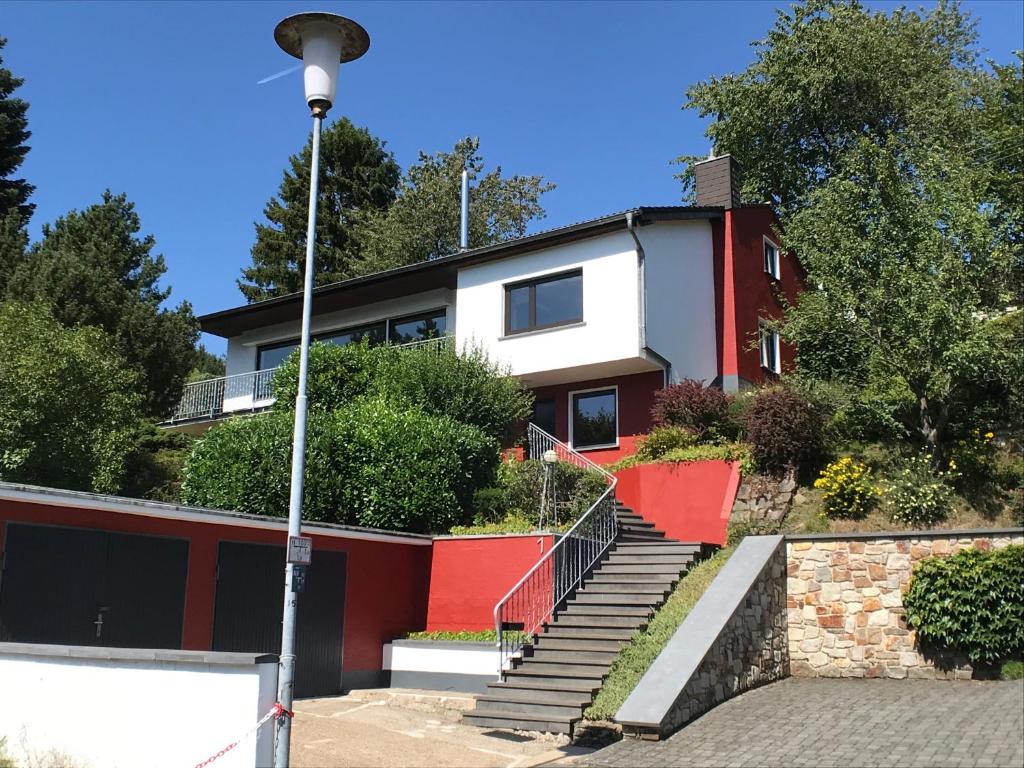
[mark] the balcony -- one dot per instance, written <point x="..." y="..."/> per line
<point x="206" y="401"/>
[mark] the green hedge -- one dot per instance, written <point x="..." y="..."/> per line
<point x="970" y="603"/>
<point x="372" y="462"/>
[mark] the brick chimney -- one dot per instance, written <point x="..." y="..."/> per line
<point x="717" y="182"/>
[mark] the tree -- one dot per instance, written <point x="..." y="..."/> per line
<point x="828" y="74"/>
<point x="357" y="176"/>
<point x="68" y="409"/>
<point x="423" y="223"/>
<point x="13" y="245"/>
<point x="14" y="193"/>
<point x="93" y="268"/>
<point x="207" y="365"/>
<point x="911" y="273"/>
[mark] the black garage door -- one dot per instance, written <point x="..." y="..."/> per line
<point x="73" y="586"/>
<point x="247" y="617"/>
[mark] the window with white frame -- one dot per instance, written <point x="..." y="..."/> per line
<point x="770" y="359"/>
<point x="771" y="258"/>
<point x="594" y="419"/>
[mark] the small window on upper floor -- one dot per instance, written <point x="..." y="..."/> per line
<point x="771" y="258"/>
<point x="769" y="344"/>
<point x="545" y="302"/>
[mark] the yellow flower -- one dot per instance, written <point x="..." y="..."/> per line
<point x="989" y="435"/>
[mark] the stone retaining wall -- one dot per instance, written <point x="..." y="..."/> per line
<point x="763" y="497"/>
<point x="845" y="601"/>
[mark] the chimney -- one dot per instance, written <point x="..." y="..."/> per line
<point x="717" y="182"/>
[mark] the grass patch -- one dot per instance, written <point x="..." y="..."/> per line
<point x="637" y="657"/>
<point x="1012" y="670"/>
<point x="468" y="636"/>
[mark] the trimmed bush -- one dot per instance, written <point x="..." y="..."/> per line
<point x="661" y="440"/>
<point x="970" y="603"/>
<point x="916" y="495"/>
<point x="370" y="463"/>
<point x="693" y="406"/>
<point x="576" y="489"/>
<point x="785" y="430"/>
<point x="466" y="387"/>
<point x="846" y="489"/>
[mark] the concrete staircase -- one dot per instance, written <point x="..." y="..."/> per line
<point x="557" y="679"/>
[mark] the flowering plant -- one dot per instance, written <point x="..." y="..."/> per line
<point x="918" y="496"/>
<point x="848" y="491"/>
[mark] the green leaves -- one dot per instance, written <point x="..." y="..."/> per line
<point x="14" y="193"/>
<point x="971" y="603"/>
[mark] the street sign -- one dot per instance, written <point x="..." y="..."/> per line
<point x="300" y="550"/>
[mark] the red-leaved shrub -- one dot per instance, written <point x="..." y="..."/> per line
<point x="691" y="405"/>
<point x="785" y="430"/>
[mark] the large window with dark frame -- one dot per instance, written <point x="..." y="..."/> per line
<point x="426" y="325"/>
<point x="544" y="302"/>
<point x="594" y="419"/>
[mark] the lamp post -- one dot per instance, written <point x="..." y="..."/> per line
<point x="322" y="41"/>
<point x="550" y="458"/>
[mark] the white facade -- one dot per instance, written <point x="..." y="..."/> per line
<point x="126" y="711"/>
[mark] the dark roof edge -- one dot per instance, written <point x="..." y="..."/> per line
<point x="579" y="231"/>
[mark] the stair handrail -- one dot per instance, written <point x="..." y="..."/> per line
<point x="562" y="568"/>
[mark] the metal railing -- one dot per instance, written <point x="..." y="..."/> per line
<point x="211" y="398"/>
<point x="534" y="598"/>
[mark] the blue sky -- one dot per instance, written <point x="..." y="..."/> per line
<point x="159" y="100"/>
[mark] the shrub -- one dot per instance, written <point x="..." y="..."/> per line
<point x="917" y="496"/>
<point x="971" y="603"/>
<point x="466" y="387"/>
<point x="785" y="430"/>
<point x="846" y="489"/>
<point x="370" y="463"/>
<point x="661" y="440"/>
<point x="490" y="505"/>
<point x="721" y="452"/>
<point x="576" y="489"/>
<point x="693" y="406"/>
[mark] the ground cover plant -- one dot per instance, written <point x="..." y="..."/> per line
<point x="469" y="636"/>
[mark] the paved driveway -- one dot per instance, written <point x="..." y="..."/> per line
<point x="845" y="723"/>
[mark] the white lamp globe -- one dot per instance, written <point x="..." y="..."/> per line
<point x="550" y="457"/>
<point x="322" y="41"/>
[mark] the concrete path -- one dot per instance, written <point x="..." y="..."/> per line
<point x="844" y="723"/>
<point x="366" y="732"/>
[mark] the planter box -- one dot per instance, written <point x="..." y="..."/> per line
<point x="441" y="665"/>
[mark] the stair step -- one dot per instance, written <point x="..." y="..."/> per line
<point x="587" y="672"/>
<point x="593" y="587"/>
<point x="519" y="722"/>
<point x="615" y="598"/>
<point x="663" y="569"/>
<point x="641" y="537"/>
<point x="625" y="558"/>
<point x="569" y="656"/>
<point x="665" y="547"/>
<point x="635" y="525"/>
<point x="577" y="644"/>
<point x="591" y="622"/>
<point x="566" y="684"/>
<point x="497" y="692"/>
<point x="560" y="632"/>
<point x="486" y="707"/>
<point x="593" y="609"/>
<point x="632" y="578"/>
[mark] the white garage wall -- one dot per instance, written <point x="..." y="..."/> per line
<point x="124" y="708"/>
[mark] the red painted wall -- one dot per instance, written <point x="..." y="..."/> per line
<point x="468" y="575"/>
<point x="636" y="396"/>
<point x="386" y="587"/>
<point x="689" y="502"/>
<point x="748" y="293"/>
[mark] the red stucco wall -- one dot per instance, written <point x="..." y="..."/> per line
<point x="385" y="592"/>
<point x="470" y="574"/>
<point x="689" y="502"/>
<point x="636" y="396"/>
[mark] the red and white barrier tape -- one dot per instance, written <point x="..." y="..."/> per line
<point x="276" y="711"/>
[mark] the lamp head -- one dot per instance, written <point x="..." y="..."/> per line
<point x="322" y="41"/>
<point x="550" y="457"/>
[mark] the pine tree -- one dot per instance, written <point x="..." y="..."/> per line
<point x="14" y="193"/>
<point x="357" y="175"/>
<point x="92" y="268"/>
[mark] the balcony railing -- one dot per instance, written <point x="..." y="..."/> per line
<point x="248" y="392"/>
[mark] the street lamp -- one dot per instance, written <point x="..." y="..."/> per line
<point x="550" y="458"/>
<point x="322" y="41"/>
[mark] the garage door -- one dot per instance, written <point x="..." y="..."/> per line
<point x="247" y="616"/>
<point x="72" y="586"/>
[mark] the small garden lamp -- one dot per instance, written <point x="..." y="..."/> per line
<point x="550" y="458"/>
<point x="322" y="41"/>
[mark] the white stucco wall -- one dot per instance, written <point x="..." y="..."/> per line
<point x="447" y="657"/>
<point x="681" y="296"/>
<point x="609" y="331"/>
<point x="125" y="713"/>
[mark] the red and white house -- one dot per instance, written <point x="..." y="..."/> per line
<point x="593" y="317"/>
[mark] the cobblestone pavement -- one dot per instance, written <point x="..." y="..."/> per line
<point x="845" y="723"/>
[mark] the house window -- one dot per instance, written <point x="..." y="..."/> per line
<point x="771" y="258"/>
<point x="545" y="302"/>
<point x="272" y="355"/>
<point x="594" y="422"/>
<point x="770" y="350"/>
<point x="373" y="333"/>
<point x="544" y="415"/>
<point x="427" y="325"/>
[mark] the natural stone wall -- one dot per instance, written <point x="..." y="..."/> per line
<point x="845" y="602"/>
<point x="762" y="497"/>
<point x="750" y="650"/>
